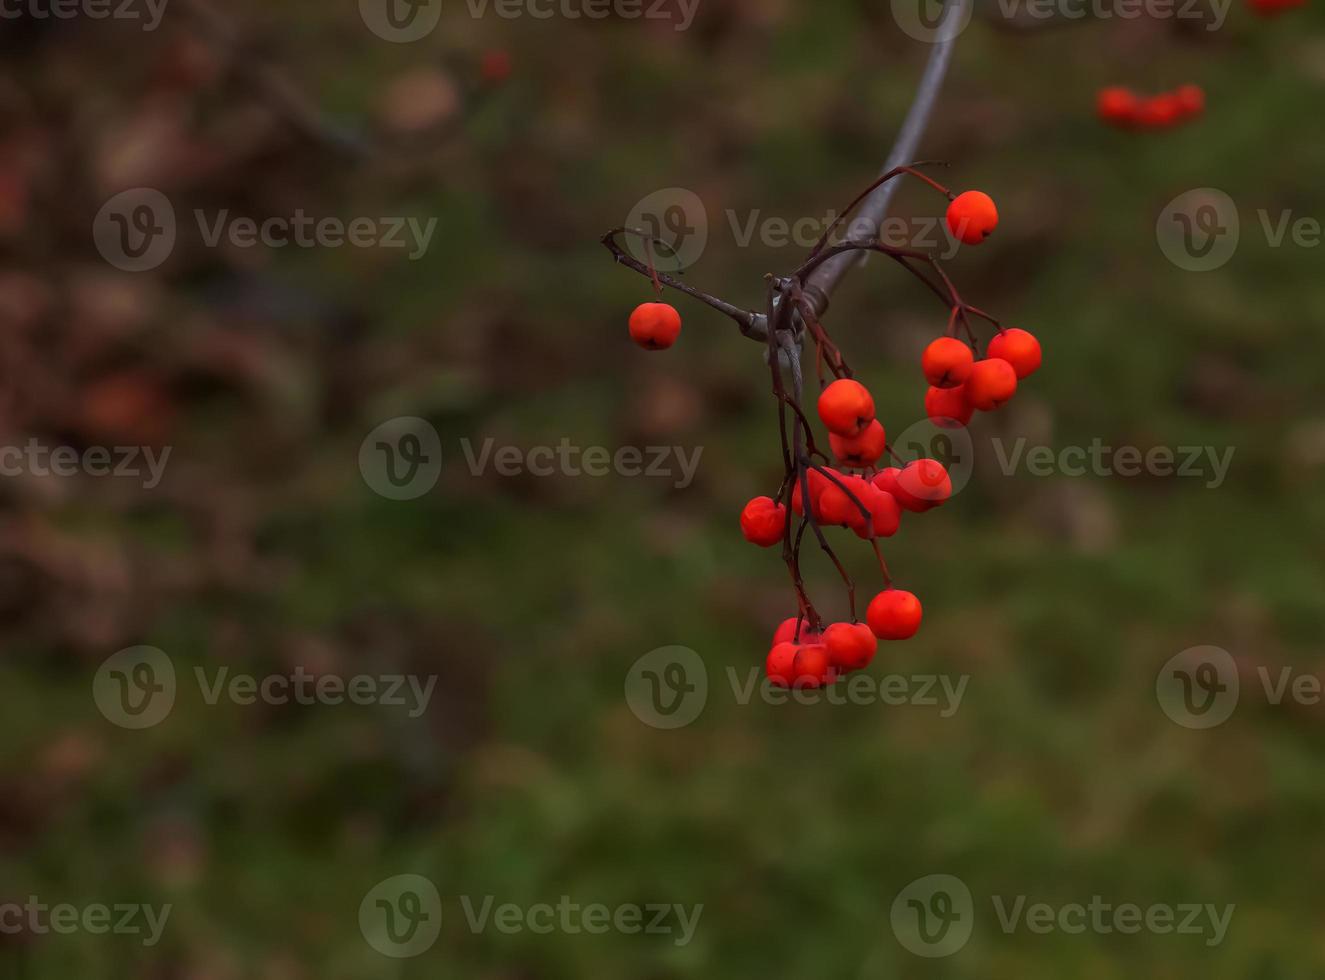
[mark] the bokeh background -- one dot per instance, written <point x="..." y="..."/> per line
<point x="530" y="777"/>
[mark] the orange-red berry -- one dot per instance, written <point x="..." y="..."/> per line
<point x="885" y="514"/>
<point x="846" y="407"/>
<point x="923" y="485"/>
<point x="780" y="666"/>
<point x="862" y="450"/>
<point x="894" y="614"/>
<point x="1019" y="348"/>
<point x="992" y="382"/>
<point x="655" y="326"/>
<point x="811" y="667"/>
<point x="972" y="217"/>
<point x="851" y="646"/>
<point x="762" y="521"/>
<point x="948" y="408"/>
<point x="1190" y="99"/>
<point x="947" y="362"/>
<point x="1159" y="111"/>
<point x="1118" y="106"/>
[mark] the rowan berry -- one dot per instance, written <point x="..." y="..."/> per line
<point x="1019" y="348"/>
<point x="894" y="614"/>
<point x="947" y="407"/>
<point x="1190" y="99"/>
<point x="786" y="631"/>
<point x="885" y="515"/>
<point x="923" y="485"/>
<point x="947" y="362"/>
<point x="972" y="217"/>
<point x="886" y="480"/>
<point x="846" y="407"/>
<point x="1118" y="106"/>
<point x="818" y="482"/>
<point x="655" y="326"/>
<point x="780" y="664"/>
<point x="762" y="521"/>
<point x="862" y="450"/>
<point x="992" y="382"/>
<point x="1159" y="112"/>
<point x="851" y="646"/>
<point x="811" y="667"/>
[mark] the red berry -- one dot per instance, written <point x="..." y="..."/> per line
<point x="886" y="480"/>
<point x="811" y="666"/>
<point x="762" y="521"/>
<point x="786" y="632"/>
<point x="1019" y="348"/>
<point x="846" y="407"/>
<point x="948" y="408"/>
<point x="851" y="646"/>
<point x="894" y="614"/>
<point x="834" y="506"/>
<point x="972" y="217"/>
<point x="655" y="326"/>
<point x="923" y="485"/>
<point x="496" y="65"/>
<point x="1190" y="99"/>
<point x="862" y="450"/>
<point x="1159" y="112"/>
<point x="1118" y="106"/>
<point x="780" y="664"/>
<point x="885" y="514"/>
<point x="993" y="381"/>
<point x="947" y="362"/>
<point x="817" y="482"/>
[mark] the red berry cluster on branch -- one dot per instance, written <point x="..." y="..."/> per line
<point x="1121" y="107"/>
<point x="857" y="495"/>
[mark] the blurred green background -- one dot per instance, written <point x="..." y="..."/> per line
<point x="530" y="777"/>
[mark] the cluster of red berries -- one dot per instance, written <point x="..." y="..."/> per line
<point x="960" y="384"/>
<point x="861" y="496"/>
<point x="871" y="506"/>
<point x="803" y="658"/>
<point x="1123" y="108"/>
